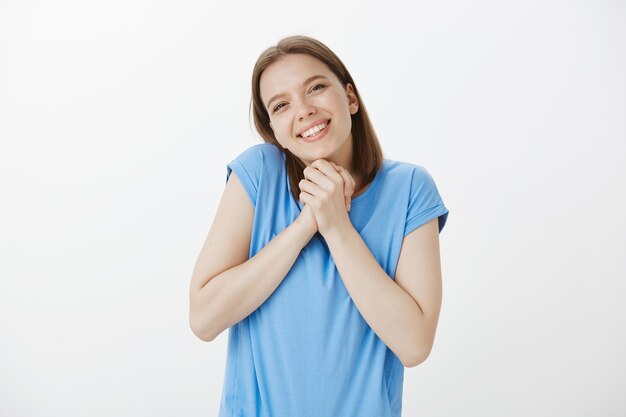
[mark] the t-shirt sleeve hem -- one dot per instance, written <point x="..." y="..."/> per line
<point x="244" y="178"/>
<point x="440" y="211"/>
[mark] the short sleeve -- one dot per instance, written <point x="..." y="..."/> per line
<point x="425" y="202"/>
<point x="247" y="165"/>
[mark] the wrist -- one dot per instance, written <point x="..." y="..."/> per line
<point x="338" y="230"/>
<point x="303" y="229"/>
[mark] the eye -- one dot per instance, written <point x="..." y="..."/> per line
<point x="314" y="88"/>
<point x="278" y="106"/>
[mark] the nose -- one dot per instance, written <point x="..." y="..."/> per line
<point x="305" y="109"/>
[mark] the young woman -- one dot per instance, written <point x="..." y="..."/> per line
<point x="323" y="257"/>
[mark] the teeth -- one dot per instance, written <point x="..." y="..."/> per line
<point x="313" y="130"/>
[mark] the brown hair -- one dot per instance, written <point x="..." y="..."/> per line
<point x="367" y="154"/>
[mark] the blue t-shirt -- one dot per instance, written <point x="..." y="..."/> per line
<point x="307" y="351"/>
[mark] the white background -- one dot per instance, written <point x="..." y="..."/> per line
<point x="117" y="120"/>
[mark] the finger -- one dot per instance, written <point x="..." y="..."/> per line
<point x="306" y="198"/>
<point x="326" y="168"/>
<point x="348" y="181"/>
<point x="316" y="176"/>
<point x="352" y="182"/>
<point x="309" y="187"/>
<point x="348" y="188"/>
<point x="339" y="168"/>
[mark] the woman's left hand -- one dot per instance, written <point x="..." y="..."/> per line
<point x="327" y="188"/>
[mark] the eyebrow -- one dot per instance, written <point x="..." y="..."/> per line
<point x="308" y="80"/>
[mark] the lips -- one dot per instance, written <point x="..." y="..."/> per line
<point x="320" y="135"/>
<point x="327" y="121"/>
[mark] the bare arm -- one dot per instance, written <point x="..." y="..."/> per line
<point x="404" y="313"/>
<point x="226" y="286"/>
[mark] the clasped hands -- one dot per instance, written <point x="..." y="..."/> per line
<point x="326" y="192"/>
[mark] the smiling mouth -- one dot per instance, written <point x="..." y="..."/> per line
<point x="315" y="135"/>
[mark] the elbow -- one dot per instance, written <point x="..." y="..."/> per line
<point x="419" y="356"/>
<point x="200" y="321"/>
<point x="203" y="336"/>
<point x="412" y="362"/>
<point x="200" y="331"/>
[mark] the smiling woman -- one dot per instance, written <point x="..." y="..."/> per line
<point x="307" y="107"/>
<point x="301" y="74"/>
<point x="323" y="257"/>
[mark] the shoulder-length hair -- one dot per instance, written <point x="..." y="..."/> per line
<point x="367" y="154"/>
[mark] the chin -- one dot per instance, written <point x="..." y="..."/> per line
<point x="316" y="156"/>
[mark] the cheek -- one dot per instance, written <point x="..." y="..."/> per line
<point x="279" y="130"/>
<point x="339" y="103"/>
<point x="281" y="133"/>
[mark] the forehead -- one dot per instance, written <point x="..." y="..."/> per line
<point x="289" y="72"/>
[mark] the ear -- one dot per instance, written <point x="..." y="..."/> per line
<point x="353" y="101"/>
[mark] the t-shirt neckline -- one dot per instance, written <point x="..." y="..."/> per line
<point x="370" y="188"/>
